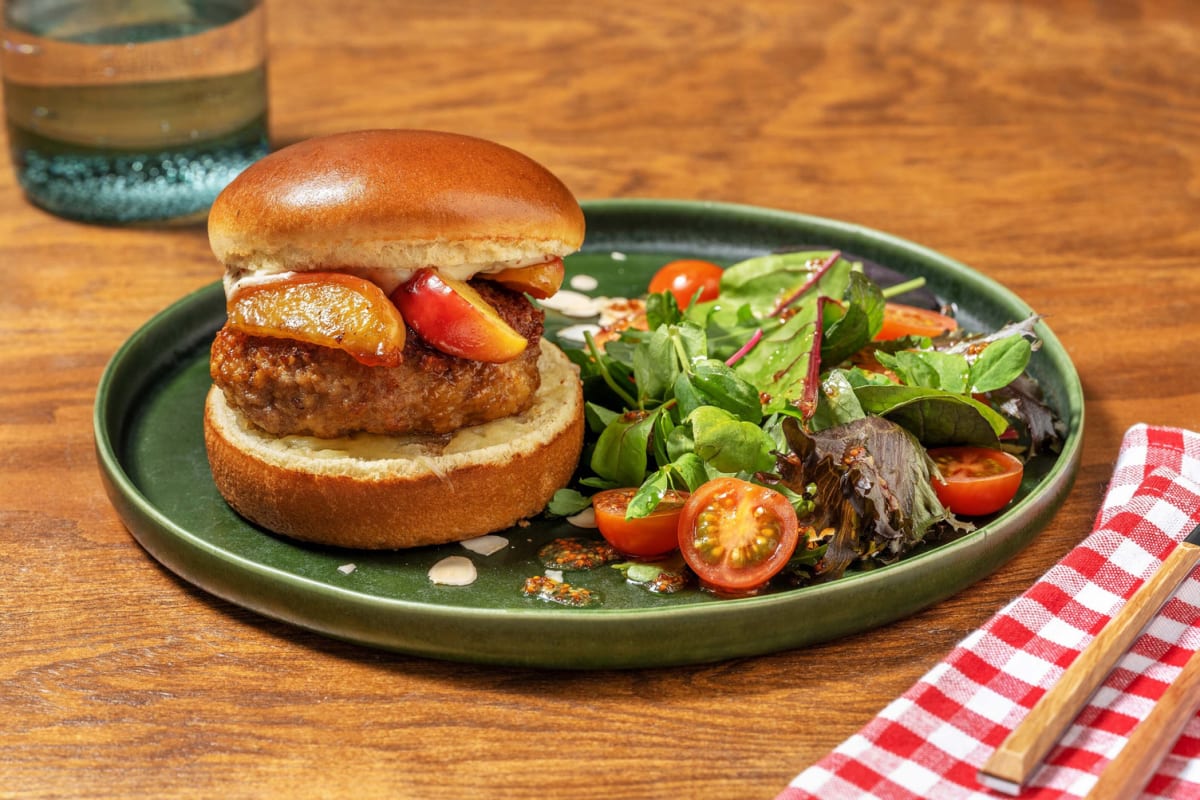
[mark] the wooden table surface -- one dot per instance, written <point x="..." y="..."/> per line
<point x="1052" y="146"/>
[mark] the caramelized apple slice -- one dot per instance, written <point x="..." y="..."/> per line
<point x="451" y="316"/>
<point x="323" y="308"/>
<point x="537" y="280"/>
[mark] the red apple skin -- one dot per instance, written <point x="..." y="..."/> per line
<point x="537" y="280"/>
<point x="451" y="316"/>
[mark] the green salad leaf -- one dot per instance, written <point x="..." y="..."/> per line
<point x="729" y="444"/>
<point x="1000" y="363"/>
<point x="782" y="364"/>
<point x="621" y="451"/>
<point x="936" y="417"/>
<point x="850" y="327"/>
<point x="769" y="282"/>
<point x="774" y="382"/>
<point x="712" y="383"/>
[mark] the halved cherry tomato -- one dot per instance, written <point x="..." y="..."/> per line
<point x="643" y="537"/>
<point x="901" y="320"/>
<point x="976" y="480"/>
<point x="685" y="277"/>
<point x="737" y="535"/>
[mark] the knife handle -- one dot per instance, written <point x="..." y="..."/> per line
<point x="1128" y="773"/>
<point x="1018" y="756"/>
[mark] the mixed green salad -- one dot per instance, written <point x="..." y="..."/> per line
<point x="762" y="420"/>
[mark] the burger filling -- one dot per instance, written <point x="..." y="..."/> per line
<point x="467" y="356"/>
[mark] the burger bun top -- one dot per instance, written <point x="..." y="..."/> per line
<point x="393" y="200"/>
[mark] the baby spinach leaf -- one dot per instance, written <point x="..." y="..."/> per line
<point x="729" y="444"/>
<point x="934" y="416"/>
<point x="686" y="473"/>
<point x="844" y="336"/>
<point x="727" y="326"/>
<point x="655" y="365"/>
<point x="712" y="383"/>
<point x="857" y="377"/>
<point x="689" y="471"/>
<point x="661" y="309"/>
<point x="691" y="340"/>
<point x="930" y="369"/>
<point x="859" y="319"/>
<point x="621" y="452"/>
<point x="620" y="351"/>
<point x="680" y="442"/>
<point x="659" y="436"/>
<point x="567" y="502"/>
<point x="649" y="494"/>
<point x="1000" y="363"/>
<point x="687" y="397"/>
<point x="598" y="417"/>
<point x="596" y="482"/>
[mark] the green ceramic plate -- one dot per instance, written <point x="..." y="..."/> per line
<point x="151" y="452"/>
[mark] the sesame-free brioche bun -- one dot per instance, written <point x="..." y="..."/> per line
<point x="392" y="199"/>
<point x="379" y="492"/>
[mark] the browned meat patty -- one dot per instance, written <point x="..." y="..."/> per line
<point x="290" y="387"/>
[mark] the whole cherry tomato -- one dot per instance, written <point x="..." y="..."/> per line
<point x="685" y="277"/>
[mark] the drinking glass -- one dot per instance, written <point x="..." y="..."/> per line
<point x="133" y="111"/>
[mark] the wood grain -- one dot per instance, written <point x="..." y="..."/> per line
<point x="1051" y="146"/>
<point x="1154" y="737"/>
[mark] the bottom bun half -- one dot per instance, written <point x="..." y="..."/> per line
<point x="385" y="492"/>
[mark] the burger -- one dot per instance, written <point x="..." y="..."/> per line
<point x="381" y="380"/>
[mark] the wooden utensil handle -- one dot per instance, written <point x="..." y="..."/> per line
<point x="1019" y="755"/>
<point x="1128" y="773"/>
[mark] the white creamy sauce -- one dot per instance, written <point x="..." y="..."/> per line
<point x="583" y="283"/>
<point x="578" y="333"/>
<point x="573" y="304"/>
<point x="485" y="545"/>
<point x="584" y="519"/>
<point x="453" y="571"/>
<point x="386" y="279"/>
<point x="577" y="304"/>
<point x="241" y="279"/>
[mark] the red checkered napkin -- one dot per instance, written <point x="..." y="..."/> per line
<point x="931" y="742"/>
